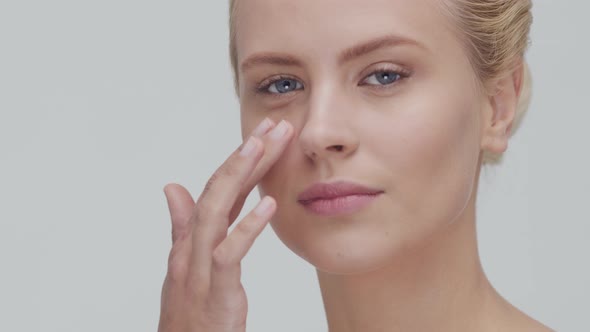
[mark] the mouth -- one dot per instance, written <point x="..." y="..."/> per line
<point x="337" y="198"/>
<point x="341" y="205"/>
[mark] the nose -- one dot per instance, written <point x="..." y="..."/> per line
<point x="328" y="131"/>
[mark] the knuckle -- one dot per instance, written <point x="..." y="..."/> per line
<point x="218" y="211"/>
<point x="230" y="170"/>
<point x="176" y="273"/>
<point x="201" y="211"/>
<point x="180" y="234"/>
<point x="210" y="183"/>
<point x="221" y="259"/>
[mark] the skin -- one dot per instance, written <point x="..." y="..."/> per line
<point x="409" y="260"/>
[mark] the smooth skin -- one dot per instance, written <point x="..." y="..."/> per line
<point x="407" y="262"/>
<point x="202" y="290"/>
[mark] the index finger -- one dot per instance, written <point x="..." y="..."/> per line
<point x="211" y="212"/>
<point x="274" y="147"/>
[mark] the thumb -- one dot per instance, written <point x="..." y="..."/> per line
<point x="180" y="205"/>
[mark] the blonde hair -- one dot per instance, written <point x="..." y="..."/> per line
<point x="495" y="35"/>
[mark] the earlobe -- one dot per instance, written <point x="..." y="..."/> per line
<point x="502" y="106"/>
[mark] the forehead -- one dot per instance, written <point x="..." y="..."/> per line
<point x="313" y="29"/>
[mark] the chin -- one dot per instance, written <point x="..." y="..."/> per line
<point x="352" y="259"/>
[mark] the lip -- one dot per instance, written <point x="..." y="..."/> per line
<point x="335" y="198"/>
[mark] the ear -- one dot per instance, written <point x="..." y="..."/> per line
<point x="500" y="110"/>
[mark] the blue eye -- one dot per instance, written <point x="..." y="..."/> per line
<point x="280" y="85"/>
<point x="385" y="77"/>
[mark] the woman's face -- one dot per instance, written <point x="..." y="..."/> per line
<point x="406" y="115"/>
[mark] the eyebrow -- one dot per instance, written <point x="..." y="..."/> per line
<point x="349" y="54"/>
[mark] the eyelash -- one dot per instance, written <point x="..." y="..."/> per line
<point x="402" y="73"/>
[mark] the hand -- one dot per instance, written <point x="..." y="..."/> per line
<point x="202" y="291"/>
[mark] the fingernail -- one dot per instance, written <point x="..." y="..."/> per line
<point x="264" y="207"/>
<point x="248" y="148"/>
<point x="279" y="131"/>
<point x="262" y="127"/>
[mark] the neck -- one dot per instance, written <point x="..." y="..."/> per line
<point x="438" y="287"/>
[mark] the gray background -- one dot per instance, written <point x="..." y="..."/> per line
<point x="102" y="103"/>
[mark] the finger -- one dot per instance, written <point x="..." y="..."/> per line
<point x="274" y="147"/>
<point x="180" y="205"/>
<point x="225" y="268"/>
<point x="263" y="127"/>
<point x="211" y="212"/>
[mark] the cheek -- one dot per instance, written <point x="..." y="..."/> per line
<point x="292" y="169"/>
<point x="432" y="154"/>
<point x="283" y="177"/>
<point x="282" y="181"/>
<point x="249" y="120"/>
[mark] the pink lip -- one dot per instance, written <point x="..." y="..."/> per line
<point x="330" y="199"/>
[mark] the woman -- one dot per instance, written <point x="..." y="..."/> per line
<point x="366" y="125"/>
